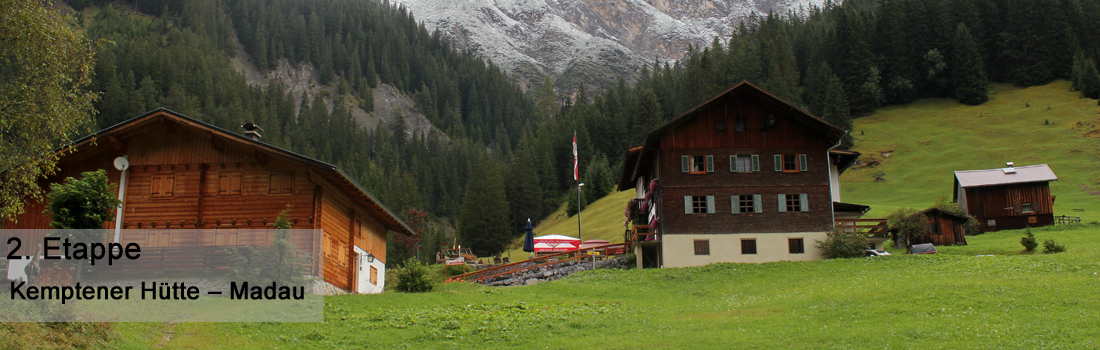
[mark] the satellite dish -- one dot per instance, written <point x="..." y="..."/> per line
<point x="769" y="120"/>
<point x="121" y="163"/>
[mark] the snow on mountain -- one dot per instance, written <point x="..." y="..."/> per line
<point x="589" y="41"/>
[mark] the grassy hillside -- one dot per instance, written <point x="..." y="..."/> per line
<point x="924" y="142"/>
<point x="929" y="139"/>
<point x="954" y="299"/>
<point x="603" y="219"/>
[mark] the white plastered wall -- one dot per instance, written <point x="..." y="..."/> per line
<point x="679" y="249"/>
<point x="364" y="286"/>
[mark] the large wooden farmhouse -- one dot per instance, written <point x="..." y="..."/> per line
<point x="1007" y="198"/>
<point x="743" y="177"/>
<point x="185" y="174"/>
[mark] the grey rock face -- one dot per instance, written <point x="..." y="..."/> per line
<point x="587" y="41"/>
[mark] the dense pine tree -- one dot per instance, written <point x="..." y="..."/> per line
<point x="970" y="81"/>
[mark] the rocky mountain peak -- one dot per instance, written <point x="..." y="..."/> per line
<point x="589" y="41"/>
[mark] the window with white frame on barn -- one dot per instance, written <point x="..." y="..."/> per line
<point x="793" y="202"/>
<point x="744" y="163"/>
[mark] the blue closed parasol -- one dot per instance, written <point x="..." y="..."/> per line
<point x="529" y="241"/>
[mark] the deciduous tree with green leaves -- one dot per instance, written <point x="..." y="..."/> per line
<point x="81" y="206"/>
<point x="45" y="65"/>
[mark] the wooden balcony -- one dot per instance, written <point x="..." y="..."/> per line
<point x="873" y="228"/>
<point x="643" y="233"/>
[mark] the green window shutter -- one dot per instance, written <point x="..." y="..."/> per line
<point x="782" y="203"/>
<point x="757" y="206"/>
<point x="710" y="164"/>
<point x="756" y="162"/>
<point x="778" y="162"/>
<point x="802" y="162"/>
<point x="802" y="200"/>
<point x="733" y="163"/>
<point x="684" y="165"/>
<point x="687" y="204"/>
<point x="735" y="204"/>
<point x="710" y="204"/>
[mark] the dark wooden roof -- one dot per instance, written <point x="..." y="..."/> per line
<point x="629" y="163"/>
<point x="326" y="171"/>
<point x="843" y="159"/>
<point x="850" y="207"/>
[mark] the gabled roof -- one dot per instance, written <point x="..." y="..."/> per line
<point x="993" y="177"/>
<point x="327" y="171"/>
<point x="630" y="167"/>
<point x="834" y="132"/>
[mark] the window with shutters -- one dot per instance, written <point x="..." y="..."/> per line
<point x="791" y="163"/>
<point x="746" y="203"/>
<point x="1026" y="208"/>
<point x="748" y="246"/>
<point x="742" y="123"/>
<point x="744" y="163"/>
<point x="697" y="164"/>
<point x="698" y="204"/>
<point x="281" y="182"/>
<point x="793" y="202"/>
<point x="163" y="185"/>
<point x="229" y="183"/>
<point x="702" y="247"/>
<point x="797" y="246"/>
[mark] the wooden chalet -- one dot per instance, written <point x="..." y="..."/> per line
<point x="1007" y="198"/>
<point x="743" y="177"/>
<point x="941" y="228"/>
<point x="185" y="174"/>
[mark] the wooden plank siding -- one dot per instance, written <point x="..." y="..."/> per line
<point x="344" y="228"/>
<point x="191" y="184"/>
<point x="1003" y="205"/>
<point x="701" y="136"/>
<point x="701" y="132"/>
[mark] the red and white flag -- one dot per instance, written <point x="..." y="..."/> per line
<point x="576" y="168"/>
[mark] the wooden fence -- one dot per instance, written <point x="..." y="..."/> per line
<point x="546" y="260"/>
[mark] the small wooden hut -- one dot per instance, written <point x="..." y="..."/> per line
<point x="1007" y="198"/>
<point x="941" y="228"/>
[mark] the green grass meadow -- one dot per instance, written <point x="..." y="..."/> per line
<point x="986" y="295"/>
<point x="929" y="139"/>
<point x="954" y="299"/>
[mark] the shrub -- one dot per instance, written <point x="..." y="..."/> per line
<point x="841" y="244"/>
<point x="413" y="278"/>
<point x="908" y="227"/>
<point x="1049" y="247"/>
<point x="1028" y="241"/>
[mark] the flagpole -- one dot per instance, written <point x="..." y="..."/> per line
<point x="577" y="178"/>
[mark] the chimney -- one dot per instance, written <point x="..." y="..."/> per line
<point x="252" y="131"/>
<point x="1009" y="164"/>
